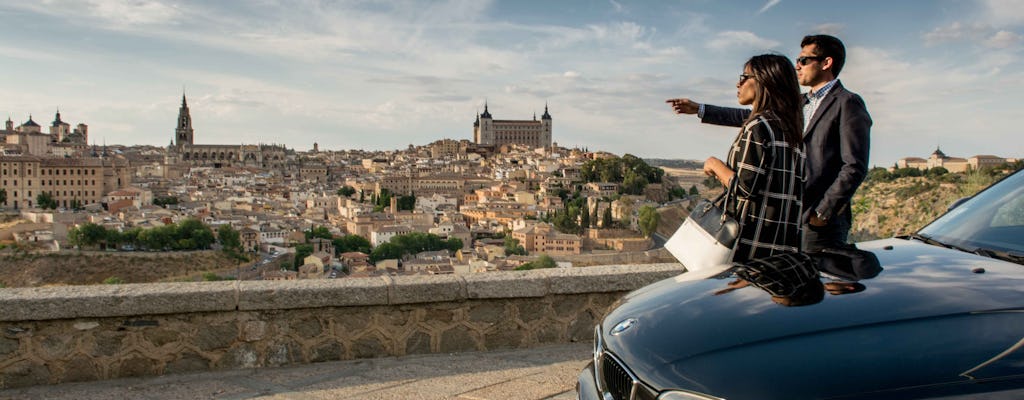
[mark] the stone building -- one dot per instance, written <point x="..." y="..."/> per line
<point x="29" y="138"/>
<point x="951" y="164"/>
<point x="533" y="133"/>
<point x="543" y="238"/>
<point x="183" y="149"/>
<point x="68" y="180"/>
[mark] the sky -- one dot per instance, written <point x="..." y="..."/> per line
<point x="381" y="75"/>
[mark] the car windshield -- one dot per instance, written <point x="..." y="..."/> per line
<point x="991" y="223"/>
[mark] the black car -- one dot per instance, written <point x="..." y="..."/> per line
<point x="936" y="314"/>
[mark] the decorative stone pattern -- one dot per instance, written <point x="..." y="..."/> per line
<point x="307" y="323"/>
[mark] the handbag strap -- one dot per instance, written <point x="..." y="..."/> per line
<point x="723" y="198"/>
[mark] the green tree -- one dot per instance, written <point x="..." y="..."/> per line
<point x="633" y="183"/>
<point x="212" y="277"/>
<point x="383" y="201"/>
<point x="159" y="238"/>
<point x="407" y="202"/>
<point x="543" y="261"/>
<point x="301" y="252"/>
<point x="512" y="247"/>
<point x="648" y="220"/>
<point x="113" y="238"/>
<point x="346" y="191"/>
<point x="229" y="238"/>
<point x="3" y="196"/>
<point x="878" y="174"/>
<point x="319" y="232"/>
<point x="386" y="251"/>
<point x="88" y="234"/>
<point x="350" y="243"/>
<point x="904" y="172"/>
<point x="606" y="219"/>
<point x="584" y="218"/>
<point x="131" y="236"/>
<point x="164" y="201"/>
<point x="45" y="200"/>
<point x="192" y="234"/>
<point x="936" y="171"/>
<point x="694" y="191"/>
<point x="453" y="244"/>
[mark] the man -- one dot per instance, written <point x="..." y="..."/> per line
<point x="837" y="131"/>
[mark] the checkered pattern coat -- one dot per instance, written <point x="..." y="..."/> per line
<point x="768" y="186"/>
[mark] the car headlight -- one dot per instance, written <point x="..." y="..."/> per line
<point x="685" y="395"/>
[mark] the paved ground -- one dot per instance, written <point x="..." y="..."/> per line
<point x="528" y="374"/>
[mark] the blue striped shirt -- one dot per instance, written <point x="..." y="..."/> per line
<point x="813" y="100"/>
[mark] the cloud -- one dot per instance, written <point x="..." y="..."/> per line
<point x="29" y="54"/>
<point x="571" y="74"/>
<point x="910" y="101"/>
<point x="1002" y="13"/>
<point x="831" y="28"/>
<point x="1003" y="39"/>
<point x="740" y="40"/>
<point x="110" y="14"/>
<point x="979" y="32"/>
<point x="956" y="31"/>
<point x="768" y="5"/>
<point x="616" y="6"/>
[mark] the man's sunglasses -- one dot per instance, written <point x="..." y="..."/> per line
<point x="804" y="60"/>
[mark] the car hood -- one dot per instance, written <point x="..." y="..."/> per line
<point x="677" y="320"/>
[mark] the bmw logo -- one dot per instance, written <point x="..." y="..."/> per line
<point x="623" y="326"/>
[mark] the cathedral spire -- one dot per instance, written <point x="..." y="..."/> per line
<point x="183" y="133"/>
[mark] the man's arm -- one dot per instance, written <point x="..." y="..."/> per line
<point x="710" y="114"/>
<point x="725" y="116"/>
<point x="854" y="148"/>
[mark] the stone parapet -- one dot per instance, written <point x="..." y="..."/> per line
<point x="79" y="333"/>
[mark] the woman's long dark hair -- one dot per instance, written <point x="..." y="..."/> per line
<point x="778" y="95"/>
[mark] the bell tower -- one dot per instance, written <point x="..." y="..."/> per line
<point x="183" y="133"/>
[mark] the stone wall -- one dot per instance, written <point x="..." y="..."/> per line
<point x="80" y="333"/>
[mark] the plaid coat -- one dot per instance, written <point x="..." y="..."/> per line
<point x="769" y="183"/>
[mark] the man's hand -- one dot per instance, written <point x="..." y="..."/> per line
<point x="683" y="105"/>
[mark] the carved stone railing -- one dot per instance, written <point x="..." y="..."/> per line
<point x="81" y="333"/>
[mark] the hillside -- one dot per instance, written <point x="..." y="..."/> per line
<point x="93" y="267"/>
<point x="884" y="208"/>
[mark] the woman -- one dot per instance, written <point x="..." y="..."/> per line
<point x="765" y="167"/>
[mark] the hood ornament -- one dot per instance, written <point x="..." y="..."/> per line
<point x="623" y="326"/>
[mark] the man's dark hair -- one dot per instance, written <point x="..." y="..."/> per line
<point x="828" y="46"/>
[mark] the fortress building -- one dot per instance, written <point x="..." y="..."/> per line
<point x="183" y="149"/>
<point x="497" y="132"/>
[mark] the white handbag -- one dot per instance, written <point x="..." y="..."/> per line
<point x="707" y="238"/>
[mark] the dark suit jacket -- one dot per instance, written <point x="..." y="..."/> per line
<point x="837" y="142"/>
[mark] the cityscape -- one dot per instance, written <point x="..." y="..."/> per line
<point x="497" y="201"/>
<point x="471" y="200"/>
